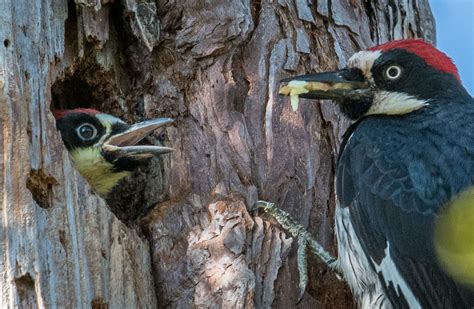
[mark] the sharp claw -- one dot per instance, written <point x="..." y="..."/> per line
<point x="302" y="261"/>
<point x="263" y="204"/>
<point x="305" y="240"/>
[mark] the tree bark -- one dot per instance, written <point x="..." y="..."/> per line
<point x="181" y="232"/>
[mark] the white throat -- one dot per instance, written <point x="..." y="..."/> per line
<point x="394" y="103"/>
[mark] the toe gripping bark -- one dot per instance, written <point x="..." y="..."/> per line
<point x="305" y="240"/>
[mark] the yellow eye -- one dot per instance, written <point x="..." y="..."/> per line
<point x="393" y="72"/>
<point x="86" y="131"/>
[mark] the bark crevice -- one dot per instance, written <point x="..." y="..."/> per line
<point x="215" y="67"/>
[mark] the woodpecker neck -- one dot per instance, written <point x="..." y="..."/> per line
<point x="100" y="174"/>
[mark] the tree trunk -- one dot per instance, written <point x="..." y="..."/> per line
<point x="181" y="232"/>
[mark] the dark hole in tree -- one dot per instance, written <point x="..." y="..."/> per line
<point x="71" y="33"/>
<point x="71" y="93"/>
<point x="25" y="286"/>
<point x="63" y="239"/>
<point x="6" y="43"/>
<point x="99" y="303"/>
<point x="41" y="187"/>
<point x="86" y="84"/>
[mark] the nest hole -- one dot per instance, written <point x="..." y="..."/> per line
<point x="85" y="86"/>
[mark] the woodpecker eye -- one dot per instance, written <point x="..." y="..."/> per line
<point x="86" y="131"/>
<point x="393" y="72"/>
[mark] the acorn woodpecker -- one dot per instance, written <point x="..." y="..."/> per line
<point x="407" y="156"/>
<point x="104" y="148"/>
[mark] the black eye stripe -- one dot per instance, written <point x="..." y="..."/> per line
<point x="68" y="128"/>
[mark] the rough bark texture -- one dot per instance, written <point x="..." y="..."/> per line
<point x="185" y="234"/>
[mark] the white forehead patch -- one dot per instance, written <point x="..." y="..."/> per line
<point x="364" y="60"/>
<point x="107" y="121"/>
<point x="394" y="103"/>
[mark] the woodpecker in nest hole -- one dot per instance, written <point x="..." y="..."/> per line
<point x="103" y="147"/>
<point x="402" y="165"/>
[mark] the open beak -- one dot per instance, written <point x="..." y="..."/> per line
<point x="124" y="144"/>
<point x="338" y="86"/>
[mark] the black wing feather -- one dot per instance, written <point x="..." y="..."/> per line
<point x="395" y="173"/>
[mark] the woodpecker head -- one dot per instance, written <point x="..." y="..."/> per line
<point x="104" y="148"/>
<point x="392" y="79"/>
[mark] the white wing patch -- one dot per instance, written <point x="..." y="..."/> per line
<point x="390" y="274"/>
<point x="356" y="267"/>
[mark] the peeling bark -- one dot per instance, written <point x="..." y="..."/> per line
<point x="180" y="232"/>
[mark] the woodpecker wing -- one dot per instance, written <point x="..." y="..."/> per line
<point x="395" y="174"/>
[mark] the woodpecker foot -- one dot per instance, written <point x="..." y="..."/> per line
<point x="305" y="240"/>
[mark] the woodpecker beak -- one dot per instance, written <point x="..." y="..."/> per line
<point x="337" y="86"/>
<point x="123" y="145"/>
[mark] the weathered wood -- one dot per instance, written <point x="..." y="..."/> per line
<point x="60" y="247"/>
<point x="214" y="66"/>
<point x="235" y="136"/>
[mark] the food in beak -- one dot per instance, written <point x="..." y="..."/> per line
<point x="296" y="87"/>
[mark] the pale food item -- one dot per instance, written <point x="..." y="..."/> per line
<point x="296" y="87"/>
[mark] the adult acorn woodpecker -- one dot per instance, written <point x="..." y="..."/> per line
<point x="407" y="157"/>
<point x="104" y="148"/>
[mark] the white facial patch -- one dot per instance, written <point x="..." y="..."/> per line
<point x="394" y="103"/>
<point x="364" y="60"/>
<point x="107" y="120"/>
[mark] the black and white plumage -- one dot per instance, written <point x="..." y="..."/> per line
<point x="409" y="153"/>
<point x="394" y="185"/>
<point x="104" y="148"/>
